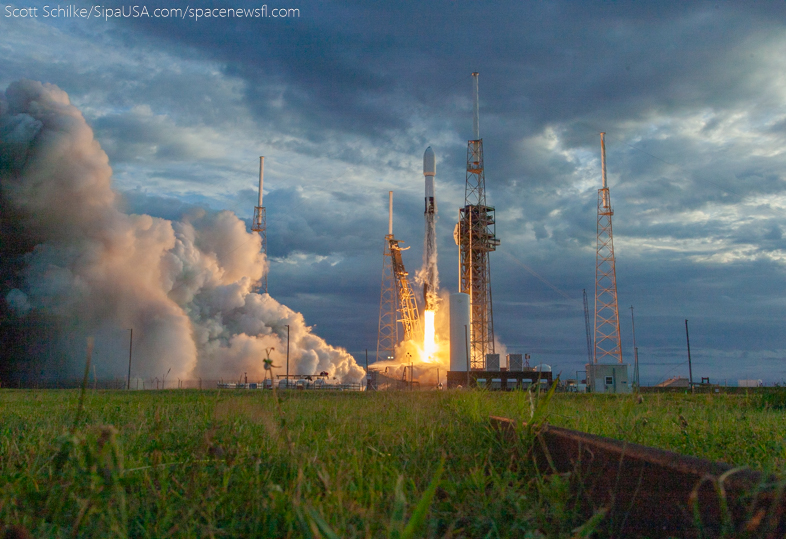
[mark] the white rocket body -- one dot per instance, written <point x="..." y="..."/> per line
<point x="430" y="274"/>
<point x="429" y="171"/>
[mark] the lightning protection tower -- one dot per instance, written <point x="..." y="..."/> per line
<point x="607" y="316"/>
<point x="475" y="234"/>
<point x="259" y="224"/>
<point x="587" y="326"/>
<point x="397" y="302"/>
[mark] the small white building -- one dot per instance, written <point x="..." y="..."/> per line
<point x="608" y="378"/>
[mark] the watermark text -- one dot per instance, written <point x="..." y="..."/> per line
<point x="72" y="11"/>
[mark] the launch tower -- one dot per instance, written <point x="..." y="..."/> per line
<point x="259" y="224"/>
<point x="397" y="302"/>
<point x="475" y="235"/>
<point x="607" y="316"/>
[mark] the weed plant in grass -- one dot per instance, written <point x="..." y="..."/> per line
<point x="309" y="464"/>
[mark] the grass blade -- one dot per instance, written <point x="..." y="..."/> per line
<point x="419" y="516"/>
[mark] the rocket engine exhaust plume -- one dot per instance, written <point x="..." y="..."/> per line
<point x="73" y="265"/>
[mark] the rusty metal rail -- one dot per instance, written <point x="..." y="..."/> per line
<point x="650" y="492"/>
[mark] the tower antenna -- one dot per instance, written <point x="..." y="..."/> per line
<point x="607" y="316"/>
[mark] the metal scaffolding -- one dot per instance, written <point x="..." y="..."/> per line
<point x="387" y="337"/>
<point x="476" y="238"/>
<point x="607" y="317"/>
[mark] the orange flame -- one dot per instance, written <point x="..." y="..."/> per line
<point x="429" y="338"/>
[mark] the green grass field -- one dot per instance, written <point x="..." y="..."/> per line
<point x="309" y="464"/>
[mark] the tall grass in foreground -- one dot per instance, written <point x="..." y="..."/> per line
<point x="310" y="464"/>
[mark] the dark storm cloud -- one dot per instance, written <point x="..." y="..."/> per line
<point x="144" y="136"/>
<point x="356" y="68"/>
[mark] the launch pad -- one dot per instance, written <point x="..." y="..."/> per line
<point x="499" y="380"/>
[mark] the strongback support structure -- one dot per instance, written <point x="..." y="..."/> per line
<point x="607" y="316"/>
<point x="407" y="306"/>
<point x="476" y="239"/>
<point x="259" y="224"/>
<point x="397" y="302"/>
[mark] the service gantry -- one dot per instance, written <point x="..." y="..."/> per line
<point x="476" y="238"/>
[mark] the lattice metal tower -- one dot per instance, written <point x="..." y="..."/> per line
<point x="607" y="316"/>
<point x="397" y="302"/>
<point x="587" y="327"/>
<point x="476" y="239"/>
<point x="259" y="224"/>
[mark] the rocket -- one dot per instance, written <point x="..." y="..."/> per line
<point x="429" y="171"/>
<point x="430" y="276"/>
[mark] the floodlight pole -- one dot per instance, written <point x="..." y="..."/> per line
<point x="287" y="356"/>
<point x="635" y="351"/>
<point x="690" y="366"/>
<point x="130" y="347"/>
<point x="466" y="349"/>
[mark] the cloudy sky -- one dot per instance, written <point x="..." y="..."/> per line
<point x="343" y="98"/>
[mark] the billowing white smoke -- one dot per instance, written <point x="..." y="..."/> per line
<point x="185" y="287"/>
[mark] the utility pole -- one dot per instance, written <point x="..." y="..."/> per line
<point x="130" y="346"/>
<point x="287" y="356"/>
<point x="635" y="352"/>
<point x="466" y="348"/>
<point x="690" y="366"/>
<point x="409" y="357"/>
<point x="587" y="327"/>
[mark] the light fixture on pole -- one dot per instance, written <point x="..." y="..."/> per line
<point x="130" y="347"/>
<point x="287" y="356"/>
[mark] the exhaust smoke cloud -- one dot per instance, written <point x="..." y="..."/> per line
<point x="73" y="265"/>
